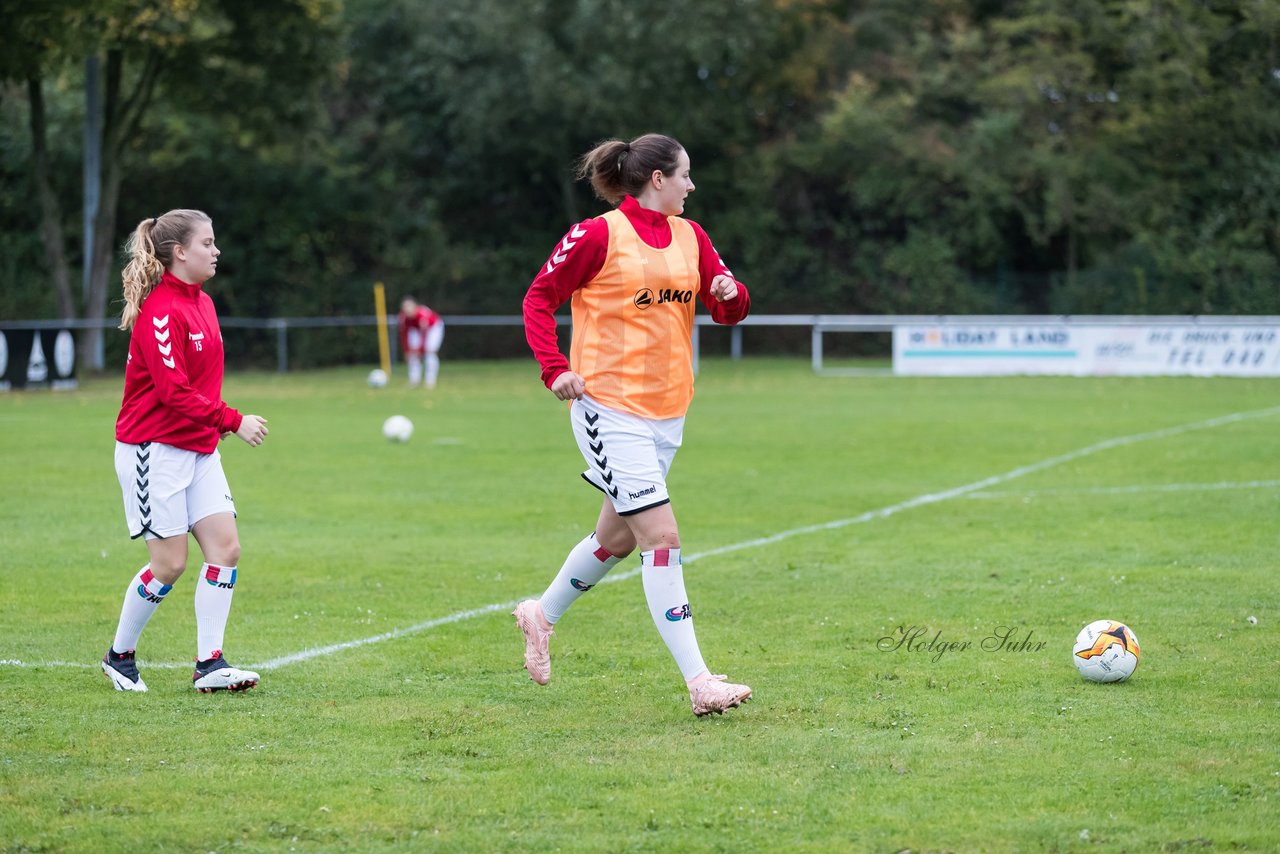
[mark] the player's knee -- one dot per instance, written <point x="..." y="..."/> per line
<point x="665" y="539"/>
<point x="619" y="545"/>
<point x="168" y="571"/>
<point x="231" y="552"/>
<point x="224" y="552"/>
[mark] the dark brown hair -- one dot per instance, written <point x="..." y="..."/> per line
<point x="616" y="168"/>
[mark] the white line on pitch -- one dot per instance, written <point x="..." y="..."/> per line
<point x="1130" y="490"/>
<point x="882" y="513"/>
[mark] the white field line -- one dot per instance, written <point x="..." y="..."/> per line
<point x="1130" y="490"/>
<point x="871" y="515"/>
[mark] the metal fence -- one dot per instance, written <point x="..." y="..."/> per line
<point x="820" y="327"/>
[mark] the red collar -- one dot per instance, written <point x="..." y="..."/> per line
<point x="170" y="279"/>
<point x="635" y="212"/>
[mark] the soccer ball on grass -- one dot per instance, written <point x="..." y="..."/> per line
<point x="397" y="428"/>
<point x="377" y="378"/>
<point x="1105" y="651"/>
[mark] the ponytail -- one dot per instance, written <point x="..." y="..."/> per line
<point x="616" y="168"/>
<point x="141" y="273"/>
<point x="150" y="250"/>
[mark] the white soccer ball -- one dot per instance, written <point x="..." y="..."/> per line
<point x="397" y="428"/>
<point x="1105" y="651"/>
<point x="377" y="378"/>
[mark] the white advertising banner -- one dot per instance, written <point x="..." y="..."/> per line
<point x="990" y="349"/>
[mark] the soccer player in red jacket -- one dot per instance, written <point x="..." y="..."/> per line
<point x="421" y="333"/>
<point x="167" y="433"/>
<point x="635" y="276"/>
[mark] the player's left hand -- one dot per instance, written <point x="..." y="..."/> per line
<point x="253" y="430"/>
<point x="724" y="288"/>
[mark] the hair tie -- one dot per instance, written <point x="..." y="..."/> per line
<point x="626" y="147"/>
<point x="154" y="220"/>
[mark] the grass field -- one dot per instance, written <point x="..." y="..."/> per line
<point x="819" y="516"/>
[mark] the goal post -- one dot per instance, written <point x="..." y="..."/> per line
<point x="384" y="344"/>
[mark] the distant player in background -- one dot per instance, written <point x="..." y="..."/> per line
<point x="167" y="433"/>
<point x="421" y="333"/>
<point x="633" y="275"/>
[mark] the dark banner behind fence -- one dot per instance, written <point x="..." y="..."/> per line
<point x="37" y="358"/>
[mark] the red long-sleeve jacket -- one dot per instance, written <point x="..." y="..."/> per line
<point x="421" y="320"/>
<point x="173" y="380"/>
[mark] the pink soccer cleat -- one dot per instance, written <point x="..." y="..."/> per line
<point x="716" y="695"/>
<point x="537" y="640"/>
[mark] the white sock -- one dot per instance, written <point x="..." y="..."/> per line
<point x="213" y="604"/>
<point x="586" y="564"/>
<point x="415" y="369"/>
<point x="144" y="595"/>
<point x="663" y="580"/>
<point x="433" y="369"/>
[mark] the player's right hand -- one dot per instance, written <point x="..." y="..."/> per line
<point x="568" y="386"/>
<point x="253" y="430"/>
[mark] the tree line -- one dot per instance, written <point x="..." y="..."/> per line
<point x="851" y="156"/>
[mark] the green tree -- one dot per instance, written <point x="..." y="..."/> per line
<point x="40" y="38"/>
<point x="482" y="108"/>
<point x="203" y="55"/>
<point x="850" y="155"/>
<point x="1105" y="156"/>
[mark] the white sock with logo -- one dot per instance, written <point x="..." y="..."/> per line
<point x="587" y="563"/>
<point x="213" y="605"/>
<point x="144" y="595"/>
<point x="663" y="579"/>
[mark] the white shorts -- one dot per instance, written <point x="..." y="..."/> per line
<point x="167" y="490"/>
<point x="416" y="342"/>
<point x="627" y="456"/>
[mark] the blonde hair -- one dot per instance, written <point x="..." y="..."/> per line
<point x="150" y="249"/>
<point x="617" y="168"/>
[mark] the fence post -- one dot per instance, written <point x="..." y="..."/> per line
<point x="282" y="344"/>
<point x="816" y="345"/>
<point x="735" y="343"/>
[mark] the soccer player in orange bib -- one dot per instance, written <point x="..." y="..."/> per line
<point x="635" y="276"/>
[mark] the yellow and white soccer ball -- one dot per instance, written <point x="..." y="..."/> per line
<point x="397" y="428"/>
<point x="1106" y="651"/>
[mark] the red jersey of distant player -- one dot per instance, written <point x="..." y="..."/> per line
<point x="421" y="320"/>
<point x="173" y="379"/>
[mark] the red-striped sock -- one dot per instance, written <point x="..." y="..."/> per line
<point x="214" y="590"/>
<point x="583" y="569"/>
<point x="144" y="595"/>
<point x="663" y="579"/>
